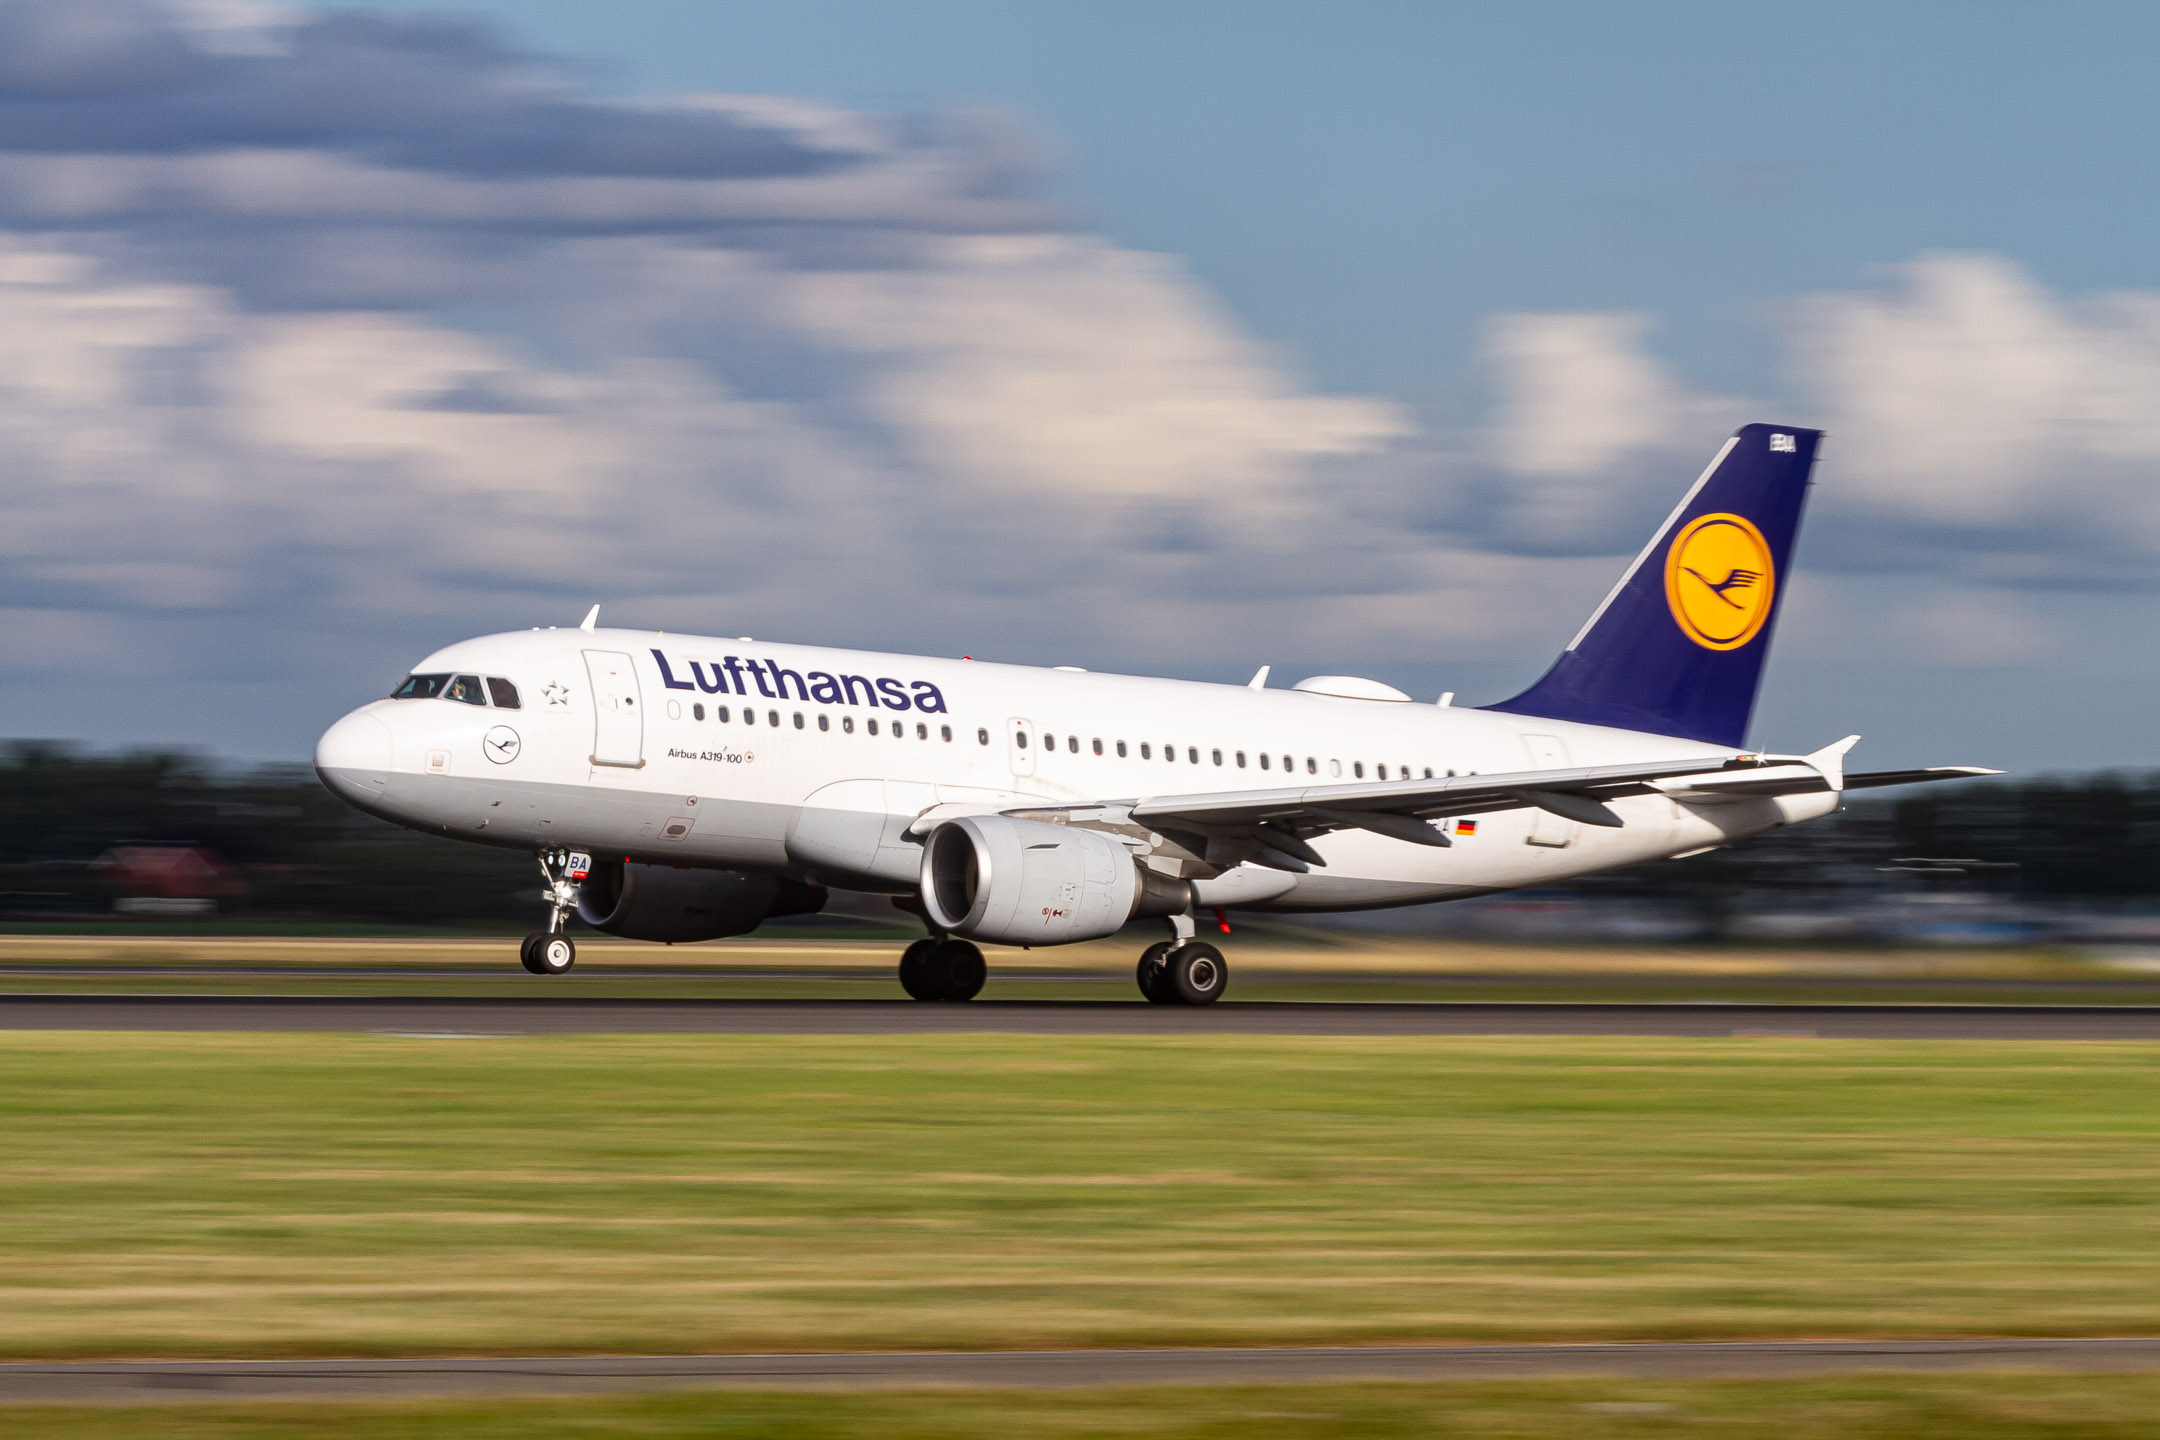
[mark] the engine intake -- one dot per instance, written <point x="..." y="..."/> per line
<point x="1022" y="882"/>
<point x="676" y="906"/>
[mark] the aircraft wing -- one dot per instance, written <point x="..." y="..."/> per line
<point x="1270" y="827"/>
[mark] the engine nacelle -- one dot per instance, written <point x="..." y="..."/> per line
<point x="1021" y="882"/>
<point x="664" y="903"/>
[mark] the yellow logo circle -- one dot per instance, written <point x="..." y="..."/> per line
<point x="1719" y="581"/>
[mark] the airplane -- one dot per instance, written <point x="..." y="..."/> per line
<point x="679" y="788"/>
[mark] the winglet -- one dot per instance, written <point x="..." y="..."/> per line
<point x="1829" y="761"/>
<point x="592" y="618"/>
<point x="1259" y="679"/>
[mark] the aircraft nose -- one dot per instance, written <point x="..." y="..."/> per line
<point x="353" y="757"/>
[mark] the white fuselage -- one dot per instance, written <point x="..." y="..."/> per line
<point x="822" y="781"/>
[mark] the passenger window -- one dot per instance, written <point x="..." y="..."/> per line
<point x="1428" y="772"/>
<point x="1241" y="759"/>
<point x="798" y="719"/>
<point x="420" y="687"/>
<point x="697" y="712"/>
<point x="922" y="731"/>
<point x="1146" y="753"/>
<point x="1098" y="746"/>
<point x="1217" y="756"/>
<point x="772" y="718"/>
<point x="1334" y="769"/>
<point x="502" y="692"/>
<point x="871" y="726"/>
<point x="1072" y="744"/>
<point x="847" y="724"/>
<point x="982" y="737"/>
<point x="1312" y="766"/>
<point x="720" y="713"/>
<point x="1019" y="736"/>
<point x="749" y="716"/>
<point x="466" y="688"/>
<point x="1169" y="753"/>
<point x="1049" y="742"/>
<point x="1357" y="768"/>
<point x="1121" y="749"/>
<point x="1263" y="761"/>
<point x="945" y="733"/>
<point x="824" y="722"/>
<point x="1192" y="754"/>
<point x="899" y="730"/>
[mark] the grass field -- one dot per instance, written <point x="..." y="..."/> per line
<point x="241" y="1194"/>
<point x="2043" y="1407"/>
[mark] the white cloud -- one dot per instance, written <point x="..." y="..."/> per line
<point x="1964" y="396"/>
<point x="1059" y="365"/>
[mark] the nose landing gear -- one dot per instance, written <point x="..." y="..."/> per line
<point x="1182" y="970"/>
<point x="550" y="951"/>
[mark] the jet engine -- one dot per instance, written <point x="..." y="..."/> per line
<point x="1022" y="882"/>
<point x="673" y="905"/>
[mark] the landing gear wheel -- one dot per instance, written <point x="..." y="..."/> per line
<point x="527" y="946"/>
<point x="552" y="955"/>
<point x="958" y="969"/>
<point x="1197" y="973"/>
<point x="1154" y="974"/>
<point x="915" y="972"/>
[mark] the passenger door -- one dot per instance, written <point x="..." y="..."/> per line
<point x="1547" y="752"/>
<point x="618" y="727"/>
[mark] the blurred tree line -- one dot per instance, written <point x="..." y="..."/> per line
<point x="2084" y="839"/>
<point x="300" y="854"/>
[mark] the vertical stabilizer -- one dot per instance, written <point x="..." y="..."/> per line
<point x="1678" y="646"/>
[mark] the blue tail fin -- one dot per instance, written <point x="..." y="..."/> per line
<point x="1677" y="648"/>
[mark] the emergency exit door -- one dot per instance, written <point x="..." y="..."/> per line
<point x="1020" y="746"/>
<point x="1548" y="752"/>
<point x="618" y="727"/>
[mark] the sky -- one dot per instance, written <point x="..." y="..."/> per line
<point x="1170" y="339"/>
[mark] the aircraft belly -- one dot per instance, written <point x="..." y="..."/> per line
<point x="639" y="824"/>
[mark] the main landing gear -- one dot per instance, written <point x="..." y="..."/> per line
<point x="549" y="951"/>
<point x="942" y="968"/>
<point x="1182" y="970"/>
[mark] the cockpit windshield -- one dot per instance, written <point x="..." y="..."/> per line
<point x="467" y="688"/>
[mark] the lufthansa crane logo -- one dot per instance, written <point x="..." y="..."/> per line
<point x="1719" y="580"/>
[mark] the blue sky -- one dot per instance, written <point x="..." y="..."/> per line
<point x="1174" y="339"/>
<point x="1363" y="183"/>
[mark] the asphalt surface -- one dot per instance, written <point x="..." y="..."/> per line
<point x="164" y="1381"/>
<point x="477" y="1016"/>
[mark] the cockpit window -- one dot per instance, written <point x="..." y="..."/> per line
<point x="502" y="692"/>
<point x="467" y="689"/>
<point x="420" y="687"/>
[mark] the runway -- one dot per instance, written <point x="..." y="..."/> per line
<point x="486" y="1016"/>
<point x="164" y="1381"/>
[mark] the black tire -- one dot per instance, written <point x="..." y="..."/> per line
<point x="916" y="974"/>
<point x="553" y="954"/>
<point x="1153" y="974"/>
<point x="525" y="951"/>
<point x="1198" y="973"/>
<point x="959" y="969"/>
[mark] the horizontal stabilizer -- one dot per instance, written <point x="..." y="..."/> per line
<point x="1917" y="777"/>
